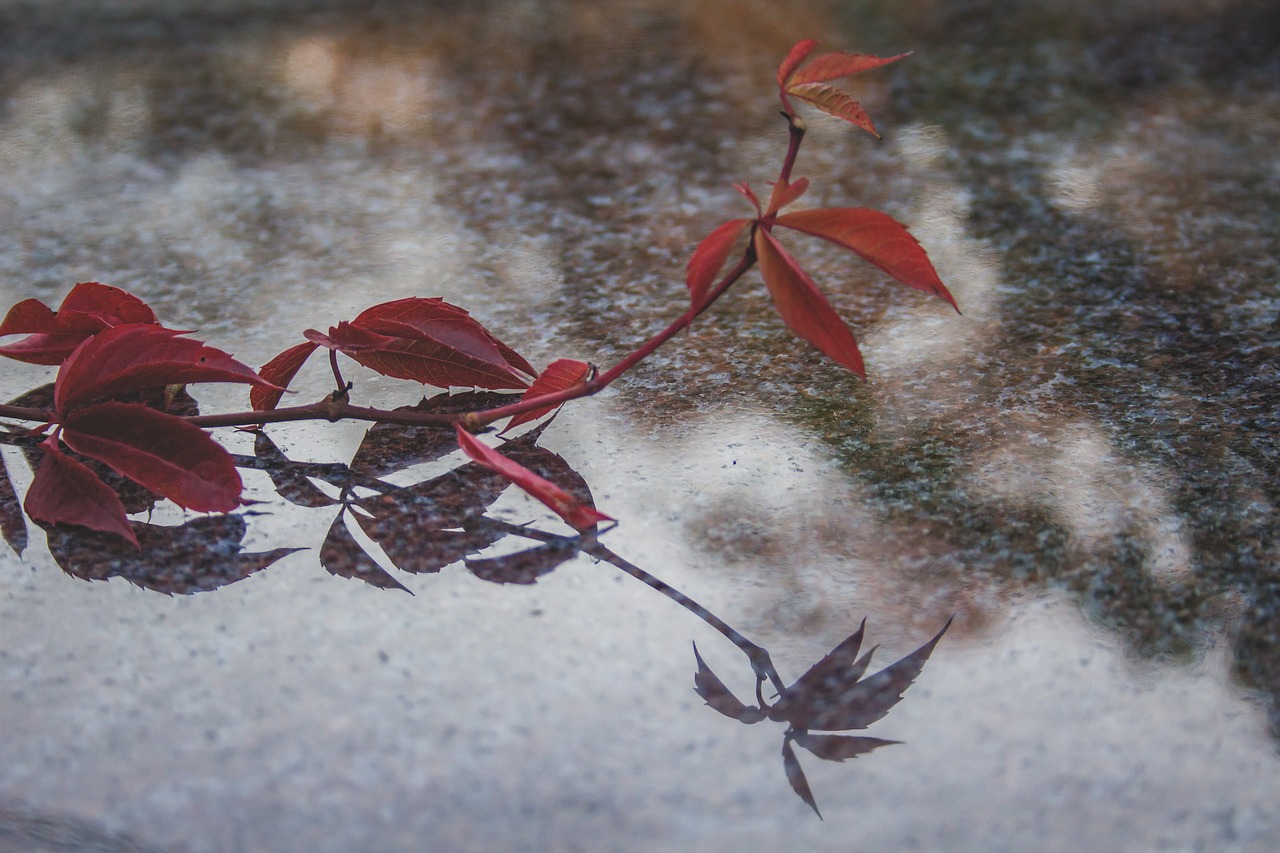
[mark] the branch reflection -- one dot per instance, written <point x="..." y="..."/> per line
<point x="386" y="515"/>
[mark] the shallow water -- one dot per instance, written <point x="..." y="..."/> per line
<point x="1082" y="467"/>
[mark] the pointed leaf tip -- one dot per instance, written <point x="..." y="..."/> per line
<point x="875" y="237"/>
<point x="719" y="697"/>
<point x="560" y="375"/>
<point x="834" y="102"/>
<point x="832" y="66"/>
<point x="710" y="257"/>
<point x="576" y="514"/>
<point x="803" y="307"/>
<point x="798" y="53"/>
<point x="66" y="491"/>
<point x="795" y="775"/>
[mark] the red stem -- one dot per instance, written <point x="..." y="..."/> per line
<point x="335" y="407"/>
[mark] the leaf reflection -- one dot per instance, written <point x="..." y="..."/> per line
<point x="387" y="522"/>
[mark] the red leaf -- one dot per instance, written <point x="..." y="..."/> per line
<point x="133" y="357"/>
<point x="89" y="308"/>
<point x="784" y="193"/>
<point x="110" y="305"/>
<point x="428" y="316"/>
<point x="578" y="515"/>
<point x="65" y="491"/>
<point x="428" y="341"/>
<point x="560" y="375"/>
<point x="831" y="100"/>
<point x="803" y="307"/>
<point x="795" y="56"/>
<point x="161" y="452"/>
<point x="830" y="66"/>
<point x="709" y="258"/>
<point x="876" y="237"/>
<point x="279" y="371"/>
<point x="349" y="339"/>
<point x="750" y="195"/>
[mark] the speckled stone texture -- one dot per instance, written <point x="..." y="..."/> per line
<point x="1082" y="467"/>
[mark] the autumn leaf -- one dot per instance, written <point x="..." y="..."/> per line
<point x="560" y="375"/>
<point x="279" y="371"/>
<point x="133" y="357"/>
<point x="808" y="83"/>
<point x="797" y="55"/>
<point x="803" y="307"/>
<point x="161" y="452"/>
<point x="65" y="491"/>
<point x="427" y="341"/>
<point x="709" y="258"/>
<point x="89" y="308"/>
<point x="575" y="512"/>
<point x="875" y="237"/>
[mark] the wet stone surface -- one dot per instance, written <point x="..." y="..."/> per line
<point x="1082" y="467"/>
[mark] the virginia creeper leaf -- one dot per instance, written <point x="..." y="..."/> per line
<point x="428" y="341"/>
<point x="89" y="308"/>
<point x="798" y="53"/>
<point x="425" y="314"/>
<point x="560" y="375"/>
<point x="443" y="321"/>
<point x="713" y="691"/>
<point x="709" y="258"/>
<point x="876" y="237"/>
<point x="750" y="195"/>
<point x="576" y="513"/>
<point x="407" y="352"/>
<point x="795" y="776"/>
<point x="830" y="66"/>
<point x="835" y="102"/>
<point x="802" y="306"/>
<point x="161" y="452"/>
<point x="279" y="371"/>
<point x="132" y="357"/>
<point x="785" y="193"/>
<point x="64" y="491"/>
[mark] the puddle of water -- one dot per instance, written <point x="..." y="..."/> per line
<point x="1081" y="467"/>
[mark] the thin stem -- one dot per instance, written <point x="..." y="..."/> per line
<point x="795" y="129"/>
<point x="343" y="387"/>
<point x="335" y="407"/>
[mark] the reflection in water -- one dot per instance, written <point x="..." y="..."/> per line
<point x="1097" y="181"/>
<point x="423" y="526"/>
